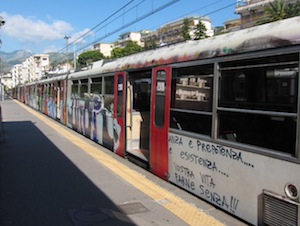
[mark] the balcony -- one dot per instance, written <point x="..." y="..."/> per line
<point x="251" y="5"/>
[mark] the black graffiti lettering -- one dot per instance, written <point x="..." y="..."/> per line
<point x="207" y="180"/>
<point x="198" y="160"/>
<point x="233" y="204"/>
<point x="184" y="182"/>
<point x="219" y="150"/>
<point x="191" y="144"/>
<point x="208" y="164"/>
<point x="184" y="170"/>
<point x="214" y="149"/>
<point x="220" y="200"/>
<point x="199" y="145"/>
<point x="176" y="140"/>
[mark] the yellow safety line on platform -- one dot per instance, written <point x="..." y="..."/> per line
<point x="185" y="211"/>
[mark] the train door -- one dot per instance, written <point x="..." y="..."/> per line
<point x="119" y="112"/>
<point x="138" y="117"/>
<point x="160" y="114"/>
<point x="62" y="104"/>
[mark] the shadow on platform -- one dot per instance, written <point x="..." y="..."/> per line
<point x="40" y="186"/>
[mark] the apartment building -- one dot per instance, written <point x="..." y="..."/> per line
<point x="104" y="48"/>
<point x="167" y="34"/>
<point x="252" y="10"/>
<point x="33" y="68"/>
<point x="172" y="32"/>
<point x="127" y="37"/>
<point x="17" y="75"/>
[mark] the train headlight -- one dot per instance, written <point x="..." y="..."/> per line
<point x="291" y="191"/>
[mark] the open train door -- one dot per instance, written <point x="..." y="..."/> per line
<point x="160" y="114"/>
<point x="120" y="82"/>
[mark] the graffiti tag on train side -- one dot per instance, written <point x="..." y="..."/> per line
<point x="227" y="202"/>
<point x="201" y="168"/>
<point x="185" y="177"/>
<point x="206" y="190"/>
<point x="210" y="148"/>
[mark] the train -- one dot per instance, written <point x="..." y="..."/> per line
<point x="217" y="117"/>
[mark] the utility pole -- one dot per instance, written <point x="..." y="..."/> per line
<point x="67" y="50"/>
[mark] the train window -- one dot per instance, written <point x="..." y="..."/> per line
<point x="96" y="85"/>
<point x="272" y="132"/>
<point x="271" y="89"/>
<point x="83" y="88"/>
<point x="120" y="96"/>
<point x="191" y="104"/>
<point x="160" y="98"/>
<point x="258" y="103"/>
<point x="109" y="85"/>
<point x="141" y="84"/>
<point x="191" y="121"/>
<point x="74" y="88"/>
<point x="50" y="90"/>
<point x="109" y="92"/>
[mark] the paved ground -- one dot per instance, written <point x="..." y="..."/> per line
<point x="52" y="176"/>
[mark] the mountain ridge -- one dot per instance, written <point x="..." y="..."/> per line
<point x="9" y="59"/>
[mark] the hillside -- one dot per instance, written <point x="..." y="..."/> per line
<point x="12" y="58"/>
<point x="19" y="56"/>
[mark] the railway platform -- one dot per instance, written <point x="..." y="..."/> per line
<point x="53" y="176"/>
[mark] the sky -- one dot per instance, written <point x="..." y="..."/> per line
<point x="41" y="26"/>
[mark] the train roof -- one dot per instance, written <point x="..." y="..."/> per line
<point x="272" y="35"/>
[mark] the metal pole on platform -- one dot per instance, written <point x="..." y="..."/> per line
<point x="1" y="87"/>
<point x="2" y="22"/>
<point x="1" y="82"/>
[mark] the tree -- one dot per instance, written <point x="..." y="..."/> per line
<point x="89" y="56"/>
<point x="117" y="53"/>
<point x="200" y="32"/>
<point x="186" y="29"/>
<point x="130" y="48"/>
<point x="152" y="44"/>
<point x="276" y="10"/>
<point x="279" y="10"/>
<point x="293" y="9"/>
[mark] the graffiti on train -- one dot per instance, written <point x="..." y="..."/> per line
<point x="206" y="147"/>
<point x="201" y="168"/>
<point x="226" y="202"/>
<point x="93" y="117"/>
<point x="187" y="179"/>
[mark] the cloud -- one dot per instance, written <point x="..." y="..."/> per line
<point x="51" y="49"/>
<point x="30" y="29"/>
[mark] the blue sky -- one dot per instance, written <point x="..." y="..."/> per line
<point x="40" y="26"/>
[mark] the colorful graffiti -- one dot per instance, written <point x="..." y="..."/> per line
<point x="93" y="117"/>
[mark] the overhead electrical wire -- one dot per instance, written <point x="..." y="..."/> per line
<point x="89" y="33"/>
<point x="96" y="26"/>
<point x="107" y="21"/>
<point x="131" y="23"/>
